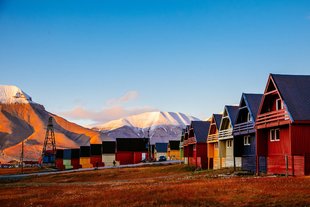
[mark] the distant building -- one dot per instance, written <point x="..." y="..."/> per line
<point x="161" y="150"/>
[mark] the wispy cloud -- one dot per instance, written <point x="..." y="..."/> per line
<point x="105" y="115"/>
<point x="128" y="96"/>
<point x="114" y="109"/>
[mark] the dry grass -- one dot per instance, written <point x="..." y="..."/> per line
<point x="155" y="186"/>
<point x="12" y="171"/>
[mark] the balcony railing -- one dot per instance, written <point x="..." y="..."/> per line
<point x="244" y="127"/>
<point x="274" y="116"/>
<point x="190" y="140"/>
<point x="213" y="137"/>
<point x="225" y="134"/>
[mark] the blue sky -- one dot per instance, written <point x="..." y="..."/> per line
<point x="93" y="61"/>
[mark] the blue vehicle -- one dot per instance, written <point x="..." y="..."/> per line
<point x="162" y="158"/>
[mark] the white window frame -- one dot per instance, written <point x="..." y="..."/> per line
<point x="277" y="135"/>
<point x="246" y="140"/>
<point x="249" y="118"/>
<point x="277" y="104"/>
<point x="274" y="135"/>
<point x="216" y="145"/>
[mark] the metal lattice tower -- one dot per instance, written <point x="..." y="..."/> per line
<point x="49" y="147"/>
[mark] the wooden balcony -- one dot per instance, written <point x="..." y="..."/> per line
<point x="244" y="128"/>
<point x="226" y="134"/>
<point x="274" y="118"/>
<point x="189" y="141"/>
<point x="213" y="138"/>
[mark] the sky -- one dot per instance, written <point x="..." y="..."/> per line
<point x="95" y="61"/>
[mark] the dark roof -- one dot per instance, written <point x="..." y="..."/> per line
<point x="218" y="118"/>
<point x="232" y="113"/>
<point x="201" y="130"/>
<point x="132" y="144"/>
<point x="174" y="144"/>
<point x="161" y="147"/>
<point x="252" y="101"/>
<point x="295" y="92"/>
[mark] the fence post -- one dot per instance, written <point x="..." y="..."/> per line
<point x="286" y="165"/>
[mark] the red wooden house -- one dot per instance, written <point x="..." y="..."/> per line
<point x="195" y="145"/>
<point x="283" y="125"/>
<point x="131" y="150"/>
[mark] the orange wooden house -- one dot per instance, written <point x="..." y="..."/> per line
<point x="212" y="141"/>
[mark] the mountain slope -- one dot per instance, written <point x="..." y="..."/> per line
<point x="149" y="119"/>
<point x="22" y="119"/>
<point x="159" y="126"/>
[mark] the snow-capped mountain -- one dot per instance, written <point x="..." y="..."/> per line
<point x="149" y="120"/>
<point x="12" y="94"/>
<point x="159" y="126"/>
<point x="21" y="119"/>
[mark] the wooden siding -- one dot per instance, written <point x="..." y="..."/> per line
<point x="108" y="159"/>
<point x="85" y="162"/>
<point x="281" y="147"/>
<point x="300" y="139"/>
<point x="243" y="150"/>
<point x="174" y="155"/>
<point x="276" y="164"/>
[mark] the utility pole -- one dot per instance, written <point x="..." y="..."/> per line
<point x="22" y="158"/>
<point x="149" y="148"/>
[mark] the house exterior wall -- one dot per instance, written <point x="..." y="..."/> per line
<point x="158" y="154"/>
<point x="174" y="155"/>
<point x="108" y="159"/>
<point x="247" y="153"/>
<point x="85" y="162"/>
<point x="300" y="139"/>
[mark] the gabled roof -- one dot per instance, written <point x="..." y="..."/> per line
<point x="174" y="144"/>
<point x="161" y="147"/>
<point x="295" y="92"/>
<point x="232" y="112"/>
<point x="217" y="118"/>
<point x="252" y="102"/>
<point x="201" y="130"/>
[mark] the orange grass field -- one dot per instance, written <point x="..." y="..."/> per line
<point x="173" y="185"/>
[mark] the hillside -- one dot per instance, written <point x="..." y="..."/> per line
<point x="22" y="119"/>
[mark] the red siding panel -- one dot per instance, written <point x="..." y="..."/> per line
<point x="59" y="164"/>
<point x="300" y="139"/>
<point x="281" y="147"/>
<point x="299" y="165"/>
<point x="137" y="157"/>
<point x="125" y="158"/>
<point x="96" y="160"/>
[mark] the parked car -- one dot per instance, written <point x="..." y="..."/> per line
<point x="162" y="158"/>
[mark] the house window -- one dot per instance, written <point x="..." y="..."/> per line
<point x="279" y="104"/>
<point x="246" y="140"/>
<point x="274" y="135"/>
<point x="249" y="117"/>
<point x="229" y="143"/>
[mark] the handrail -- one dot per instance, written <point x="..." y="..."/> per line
<point x="225" y="133"/>
<point x="273" y="116"/>
<point x="244" y="126"/>
<point x="212" y="137"/>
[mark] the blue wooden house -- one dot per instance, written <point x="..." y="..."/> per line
<point x="244" y="132"/>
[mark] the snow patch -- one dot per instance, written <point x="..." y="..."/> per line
<point x="149" y="120"/>
<point x="13" y="94"/>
